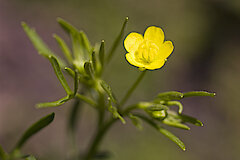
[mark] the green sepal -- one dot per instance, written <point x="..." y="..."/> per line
<point x="114" y="111"/>
<point x="198" y="93"/>
<point x="165" y="132"/>
<point x="168" y="96"/>
<point x="135" y="121"/>
<point x="108" y="90"/>
<point x="55" y="103"/>
<point x="117" y="41"/>
<point x="38" y="43"/>
<point x="36" y="127"/>
<point x="59" y="74"/>
<point x="66" y="51"/>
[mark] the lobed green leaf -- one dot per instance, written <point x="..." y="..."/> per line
<point x="55" y="103"/>
<point x="168" y="96"/>
<point x="70" y="29"/>
<point x="66" y="51"/>
<point x="198" y="93"/>
<point x="172" y="137"/>
<point x="175" y="123"/>
<point x="165" y="132"/>
<point x="36" y="127"/>
<point x="38" y="43"/>
<point x="59" y="74"/>
<point x="191" y="120"/>
<point x="102" y="52"/>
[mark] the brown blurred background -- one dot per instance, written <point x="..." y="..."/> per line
<point x="206" y="35"/>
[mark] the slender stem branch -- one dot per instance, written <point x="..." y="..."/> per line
<point x="86" y="99"/>
<point x="98" y="137"/>
<point x="130" y="91"/>
<point x="72" y="123"/>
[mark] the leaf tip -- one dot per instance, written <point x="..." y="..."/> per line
<point x="38" y="106"/>
<point x="23" y="24"/>
<point x="59" y="19"/>
<point x="54" y="35"/>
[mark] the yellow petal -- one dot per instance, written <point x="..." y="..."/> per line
<point x="131" y="59"/>
<point x="165" y="50"/>
<point x="154" y="34"/>
<point x="132" y="41"/>
<point x="155" y="65"/>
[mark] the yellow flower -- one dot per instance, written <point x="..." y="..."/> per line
<point x="148" y="52"/>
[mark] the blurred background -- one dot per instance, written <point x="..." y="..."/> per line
<point x="206" y="36"/>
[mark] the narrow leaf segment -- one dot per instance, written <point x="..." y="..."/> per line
<point x="36" y="127"/>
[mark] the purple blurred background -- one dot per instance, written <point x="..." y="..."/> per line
<point x="206" y="37"/>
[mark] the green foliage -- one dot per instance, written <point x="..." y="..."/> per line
<point x="85" y="66"/>
<point x="59" y="74"/>
<point x="36" y="127"/>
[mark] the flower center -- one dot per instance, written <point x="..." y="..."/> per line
<point x="147" y="52"/>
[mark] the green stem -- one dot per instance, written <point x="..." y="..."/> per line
<point x="98" y="137"/>
<point x="130" y="91"/>
<point x="101" y="132"/>
<point x="101" y="109"/>
<point x="86" y="99"/>
<point x="73" y="116"/>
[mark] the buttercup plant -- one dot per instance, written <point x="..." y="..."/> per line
<point x="85" y="64"/>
